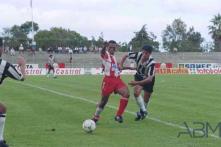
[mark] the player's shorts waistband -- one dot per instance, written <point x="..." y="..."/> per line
<point x="112" y="77"/>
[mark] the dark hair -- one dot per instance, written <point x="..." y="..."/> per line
<point x="147" y="48"/>
<point x="1" y="41"/>
<point x="112" y="41"/>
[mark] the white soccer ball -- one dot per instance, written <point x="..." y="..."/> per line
<point x="89" y="125"/>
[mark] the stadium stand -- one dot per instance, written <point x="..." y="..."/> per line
<point x="93" y="60"/>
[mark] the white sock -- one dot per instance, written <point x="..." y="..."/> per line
<point x="2" y="124"/>
<point x="140" y="103"/>
<point x="98" y="111"/>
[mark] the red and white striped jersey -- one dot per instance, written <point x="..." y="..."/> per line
<point x="109" y="63"/>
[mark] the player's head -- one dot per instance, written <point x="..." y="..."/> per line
<point x="147" y="50"/>
<point x="112" y="46"/>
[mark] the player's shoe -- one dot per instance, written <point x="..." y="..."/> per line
<point x="141" y="115"/>
<point x="118" y="119"/>
<point x="3" y="144"/>
<point x="95" y="118"/>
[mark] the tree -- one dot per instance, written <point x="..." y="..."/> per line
<point x="177" y="36"/>
<point x="143" y="37"/>
<point x="193" y="41"/>
<point x="27" y="27"/>
<point x="123" y="47"/>
<point x="17" y="37"/>
<point x="215" y="31"/>
<point x="56" y="37"/>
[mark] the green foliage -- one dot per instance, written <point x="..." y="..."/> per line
<point x="27" y="27"/>
<point x="17" y="37"/>
<point x="142" y="38"/>
<point x="177" y="36"/>
<point x="215" y="31"/>
<point x="123" y="47"/>
<point x="56" y="37"/>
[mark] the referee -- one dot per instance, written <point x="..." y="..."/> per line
<point x="8" y="70"/>
<point x="143" y="79"/>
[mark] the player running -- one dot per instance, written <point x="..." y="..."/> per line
<point x="51" y="63"/>
<point x="8" y="70"/>
<point x="144" y="78"/>
<point x="111" y="82"/>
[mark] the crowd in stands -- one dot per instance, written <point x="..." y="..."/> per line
<point x="58" y="50"/>
<point x="75" y="50"/>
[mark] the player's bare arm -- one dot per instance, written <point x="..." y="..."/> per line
<point x="22" y="65"/>
<point x="121" y="65"/>
<point x="103" y="50"/>
<point x="143" y="82"/>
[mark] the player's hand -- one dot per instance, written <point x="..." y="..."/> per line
<point x="120" y="67"/>
<point x="133" y="83"/>
<point x="21" y="60"/>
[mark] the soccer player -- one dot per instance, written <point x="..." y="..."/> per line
<point x="144" y="78"/>
<point x="51" y="62"/>
<point x="111" y="82"/>
<point x="8" y="70"/>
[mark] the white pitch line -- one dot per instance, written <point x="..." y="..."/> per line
<point x="110" y="106"/>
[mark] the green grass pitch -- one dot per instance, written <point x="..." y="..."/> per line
<point x="46" y="112"/>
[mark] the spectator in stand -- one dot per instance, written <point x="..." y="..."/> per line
<point x="70" y="51"/>
<point x="85" y="49"/>
<point x="12" y="52"/>
<point x="21" y="49"/>
<point x="59" y="50"/>
<point x="6" y="50"/>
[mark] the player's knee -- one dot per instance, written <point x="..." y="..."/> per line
<point x="126" y="95"/>
<point x="2" y="108"/>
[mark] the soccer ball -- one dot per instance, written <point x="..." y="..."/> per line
<point x="89" y="125"/>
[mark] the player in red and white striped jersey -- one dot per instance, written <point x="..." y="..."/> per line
<point x="111" y="82"/>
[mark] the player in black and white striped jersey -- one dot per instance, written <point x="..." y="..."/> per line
<point x="8" y="70"/>
<point x="144" y="78"/>
<point x="51" y="64"/>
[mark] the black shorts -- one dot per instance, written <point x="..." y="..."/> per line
<point x="147" y="87"/>
<point x="50" y="67"/>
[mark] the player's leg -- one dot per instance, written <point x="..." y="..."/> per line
<point x="139" y="98"/>
<point x="2" y="124"/>
<point x="100" y="107"/>
<point x="141" y="114"/>
<point x="53" y="72"/>
<point x="147" y="96"/>
<point x="107" y="88"/>
<point x="122" y="90"/>
<point x="148" y="90"/>
<point x="49" y="70"/>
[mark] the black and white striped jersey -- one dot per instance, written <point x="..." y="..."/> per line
<point x="8" y="70"/>
<point x="145" y="69"/>
<point x="51" y="60"/>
